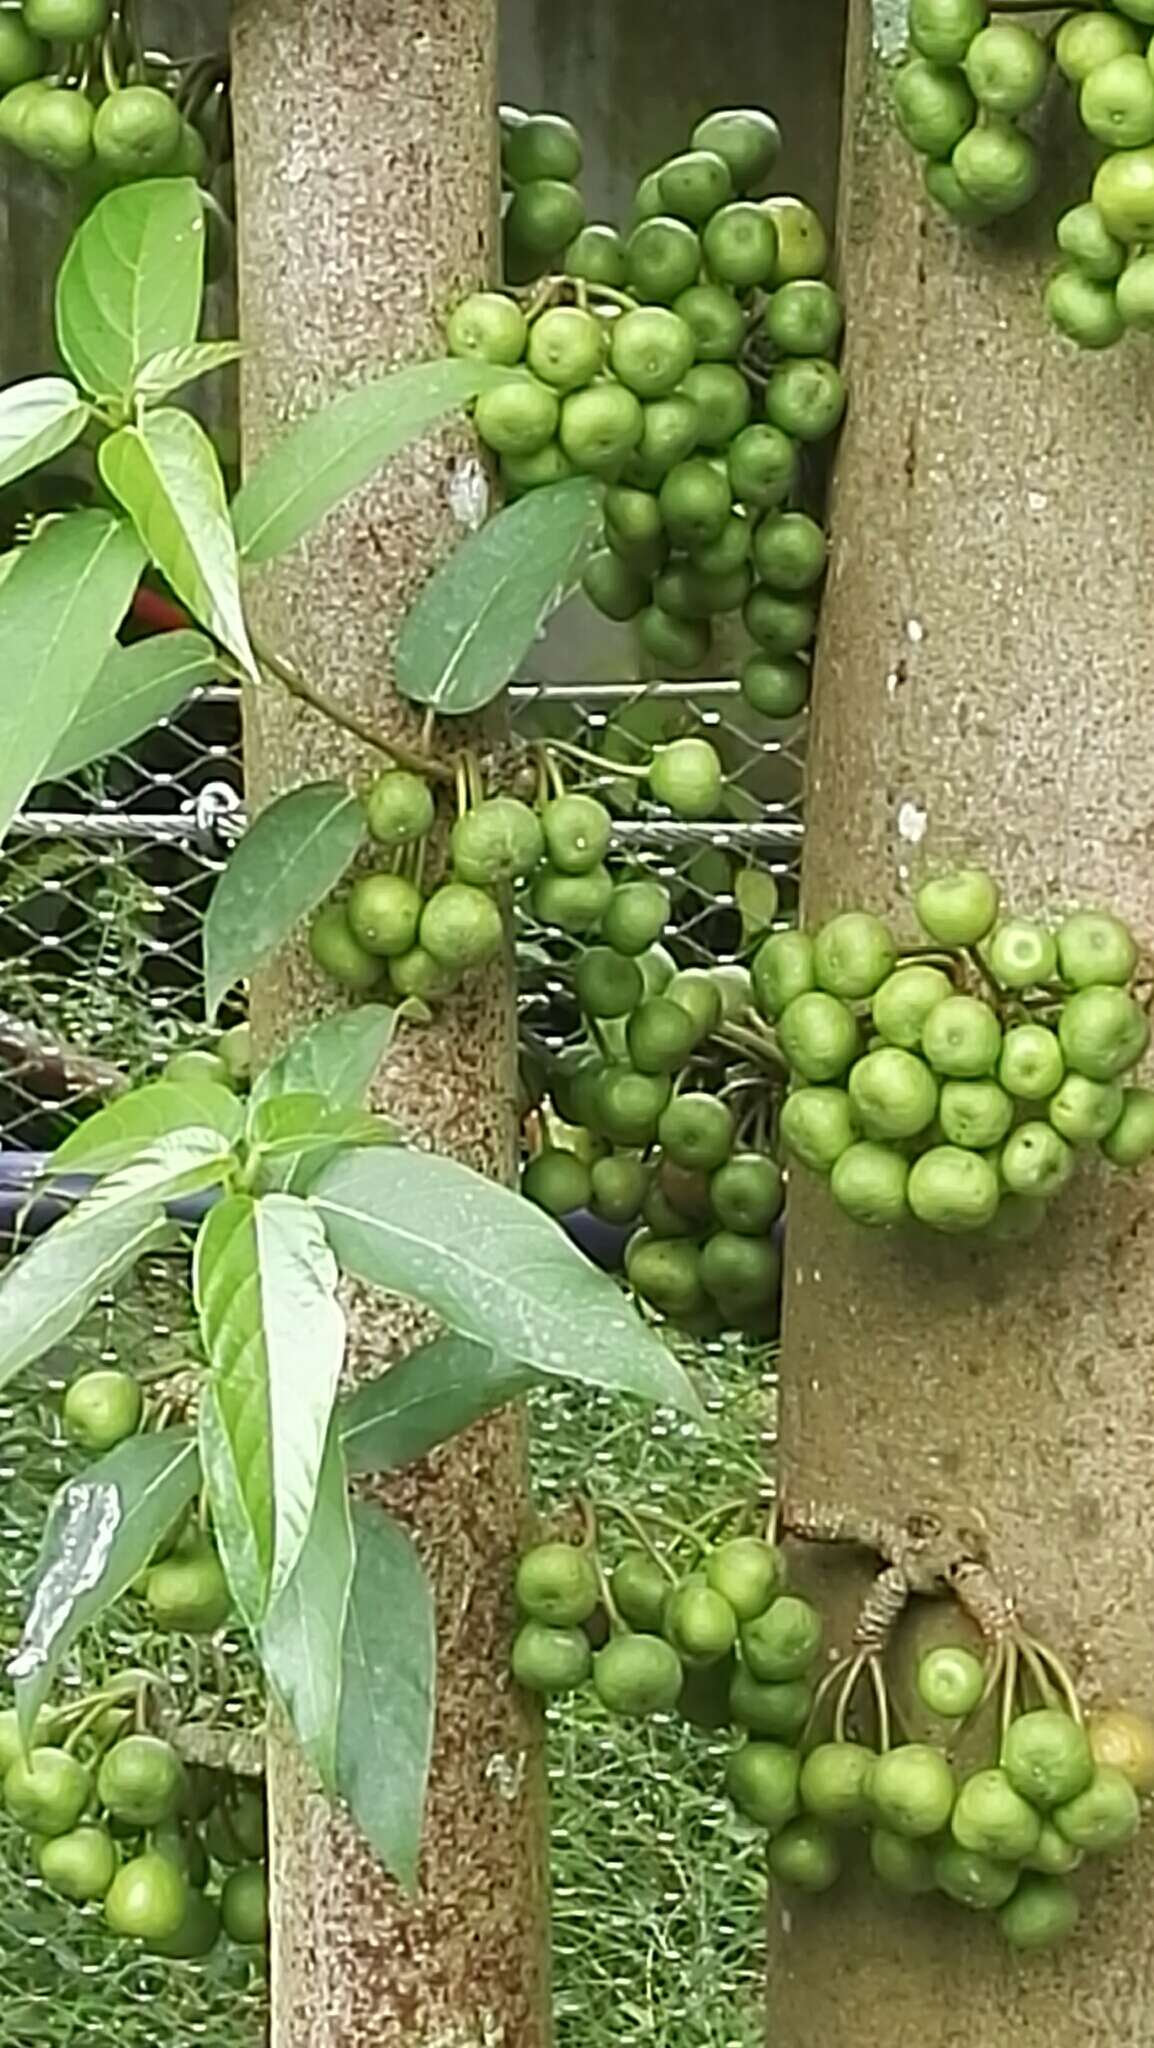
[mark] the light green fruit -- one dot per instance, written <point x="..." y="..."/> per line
<point x="461" y="927"/>
<point x="599" y="427"/>
<point x="943" y="30"/>
<point x="1094" y="949"/>
<point x="500" y="841"/>
<point x="518" y="417"/>
<point x="650" y="350"/>
<point x="869" y="1182"/>
<point x="699" y="1622"/>
<point x="489" y="325"/>
<point x="383" y="913"/>
<point x="1085" y="311"/>
<point x="1103" y="1031"/>
<point x="762" y="1780"/>
<point x="747" y="1572"/>
<point x="993" y="1819"/>
<point x="971" y="1879"/>
<point x="628" y="1105"/>
<point x="1054" y="1855"/>
<point x="953" y="1190"/>
<point x="933" y="106"/>
<point x="834" y="1781"/>
<point x="950" y="1681"/>
<point x="576" y="831"/>
<point x="1035" y="1160"/>
<point x="958" y="909"/>
<point x="696" y="1130"/>
<point x="557" y="1584"/>
<point x="782" y="1643"/>
<point x="1131" y="1141"/>
<point x="79" y="1865"/>
<point x="819" y="1036"/>
<point x="1042" y="1912"/>
<point x="912" y="1790"/>
<point x="694" y="184"/>
<point x="974" y="1113"/>
<point x="136" y="131"/>
<point x="636" y="917"/>
<point x="892" y="1094"/>
<point x="782" y="969"/>
<point x="1082" y="233"/>
<point x="566" y="347"/>
<point x="747" y="139"/>
<point x="558" y="1181"/>
<point x="714" y="319"/>
<point x="638" y="1675"/>
<point x="1104" y="1817"/>
<point x="687" y="777"/>
<point x="853" y="954"/>
<point x="1116" y="103"/>
<point x="817" y="1126"/>
<point x="399" y="808"/>
<point x="962" y="1038"/>
<point x="598" y="255"/>
<point x="550" y="1660"/>
<point x="102" y="1408"/>
<point x="1020" y="954"/>
<point x="802" y="243"/>
<point x="1086" y="40"/>
<point x="998" y="166"/>
<point x="1030" y="1064"/>
<point x="1006" y="67"/>
<point x="904" y="1001"/>
<point x="46" y="1791"/>
<point x="147" y="1899"/>
<point x="1047" y="1757"/>
<point x="1084" y="1112"/>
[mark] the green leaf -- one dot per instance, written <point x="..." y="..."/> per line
<point x="181" y="1162"/>
<point x="265" y="1284"/>
<point x="166" y="475"/>
<point x="102" y="1529"/>
<point x="134" y="689"/>
<point x="288" y="1131"/>
<point x="172" y="367"/>
<point x="471" y="625"/>
<point x="132" y="282"/>
<point x="127" y="1127"/>
<point x="301" y="1640"/>
<point x="336" y="1057"/>
<point x="327" y="455"/>
<point x="38" y="420"/>
<point x="755" y="894"/>
<point x="494" y="1268"/>
<point x="48" y="1289"/>
<point x="388" y="1672"/>
<point x="61" y="606"/>
<point x="426" y="1397"/>
<point x="287" y="862"/>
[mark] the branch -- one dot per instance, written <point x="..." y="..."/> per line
<point x="318" y="700"/>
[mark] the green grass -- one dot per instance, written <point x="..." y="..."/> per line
<point x="658" y="1891"/>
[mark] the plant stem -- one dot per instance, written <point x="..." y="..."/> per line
<point x="318" y="700"/>
<point x="611" y="768"/>
<point x="752" y="1042"/>
<point x="994" y="990"/>
<point x="1053" y="1663"/>
<point x="641" y="1534"/>
<point x="881" y="1696"/>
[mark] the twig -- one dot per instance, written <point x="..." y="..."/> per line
<point x="318" y="700"/>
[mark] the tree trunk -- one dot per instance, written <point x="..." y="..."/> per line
<point x="985" y="695"/>
<point x="365" y="146"/>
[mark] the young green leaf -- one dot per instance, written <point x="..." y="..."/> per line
<point x="265" y="1285"/>
<point x="289" y="859"/>
<point x="287" y="1131"/>
<point x="38" y="420"/>
<point x="181" y="1162"/>
<point x="173" y="367"/>
<point x="755" y="894"/>
<point x="471" y="625"/>
<point x="166" y="475"/>
<point x="49" y="1288"/>
<point x="134" y="689"/>
<point x="301" y="1639"/>
<point x="103" y="1527"/>
<point x="62" y="603"/>
<point x="327" y="455"/>
<point x="122" y="1130"/>
<point x="494" y="1267"/>
<point x="336" y="1057"/>
<point x="426" y="1397"/>
<point x="131" y="283"/>
<point x="388" y="1674"/>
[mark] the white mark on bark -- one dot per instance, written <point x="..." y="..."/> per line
<point x="1037" y="500"/>
<point x="912" y="822"/>
<point x="892" y="681"/>
<point x="889" y="28"/>
<point x="915" y="632"/>
<point x="507" y="1774"/>
<point x="786" y="1920"/>
<point x="469" y="493"/>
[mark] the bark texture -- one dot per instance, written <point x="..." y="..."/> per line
<point x="365" y="144"/>
<point x="985" y="693"/>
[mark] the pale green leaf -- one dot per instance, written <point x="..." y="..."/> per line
<point x="388" y="1671"/>
<point x="426" y="1397"/>
<point x="302" y="1637"/>
<point x="494" y="1267"/>
<point x="290" y="858"/>
<point x="337" y="1057"/>
<point x="180" y="1162"/>
<point x="327" y="455"/>
<point x="131" y="283"/>
<point x="288" y="1133"/>
<point x="265" y="1283"/>
<point x="48" y="1289"/>
<point x="38" y="420"/>
<point x="755" y="893"/>
<point x="134" y="689"/>
<point x="166" y="475"/>
<point x="482" y="609"/>
<point x="61" y="605"/>
<point x="103" y="1527"/>
<point x="173" y="367"/>
<point x="123" y="1129"/>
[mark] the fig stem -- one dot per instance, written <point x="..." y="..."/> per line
<point x="640" y="1533"/>
<point x="130" y="16"/>
<point x="1053" y="1663"/>
<point x="882" y="1699"/>
<point x="751" y="1042"/>
<point x="318" y="700"/>
<point x="994" y="990"/>
<point x="108" y="62"/>
<point x="845" y="1696"/>
<point x="608" y="768"/>
<point x="820" y="1697"/>
<point x="1046" y="1693"/>
<point x="461" y="786"/>
<point x="684" y="1531"/>
<point x="1009" y="1688"/>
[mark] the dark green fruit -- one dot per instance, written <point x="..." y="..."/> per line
<point x="699" y="1622"/>
<point x="500" y="841"/>
<point x="696" y="990"/>
<point x="220" y="1839"/>
<point x="762" y="1778"/>
<point x="147" y="1899"/>
<point x="46" y="1791"/>
<point x="912" y="1790"/>
<point x="637" y="914"/>
<point x="695" y="184"/>
<point x="834" y="1783"/>
<point x="782" y="1643"/>
<point x="66" y="21"/>
<point x="1102" y="1031"/>
<point x="741" y="1273"/>
<point x="79" y="1865"/>
<point x="137" y="131"/>
<point x="704" y="1701"/>
<point x="903" y="1866"/>
<point x="606" y="983"/>
<point x="673" y="643"/>
<point x="550" y="1660"/>
<point x="556" y="1583"/>
<point x="197" y="1934"/>
<point x="715" y="321"/>
<point x="666" y="1271"/>
<point x="776" y="686"/>
<point x="558" y="1181"/>
<point x="779" y="1712"/>
<point x="695" y="502"/>
<point x="628" y="1105"/>
<point x="399" y="807"/>
<point x="598" y="255"/>
<point x="696" y="1131"/>
<point x="747" y="1194"/>
<point x="618" y="1188"/>
<point x="721" y="395"/>
<point x="334" y="949"/>
<point x="746" y="138"/>
<point x="638" y="1675"/>
<point x="183" y="1847"/>
<point x="545" y="215"/>
<point x="617" y="590"/>
<point x="244" y="1906"/>
<point x="102" y="1408"/>
<point x="640" y="1589"/>
<point x="762" y="466"/>
<point x="141" y="1781"/>
<point x="660" y="1035"/>
<point x="806" y="1855"/>
<point x="1040" y="1914"/>
<point x="55" y="128"/>
<point x="686" y="1191"/>
<point x="662" y="1217"/>
<point x="1047" y="1757"/>
<point x="189" y="1593"/>
<point x="249" y="1821"/>
<point x="973" y="1880"/>
<point x="574" y="903"/>
<point x="541" y="146"/>
<point x="22" y="55"/>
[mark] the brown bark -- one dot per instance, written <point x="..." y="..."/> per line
<point x="365" y="143"/>
<point x="985" y="694"/>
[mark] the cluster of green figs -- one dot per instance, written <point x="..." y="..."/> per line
<point x="960" y="100"/>
<point x="689" y="363"/>
<point x="961" y="1081"/>
<point x="728" y="1646"/>
<point x="79" y="99"/>
<point x="171" y="1856"/>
